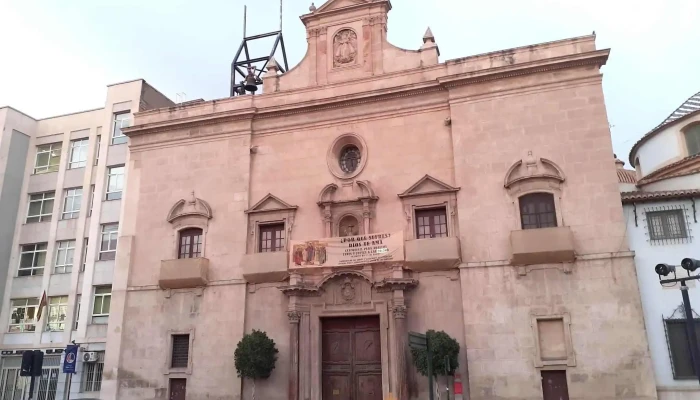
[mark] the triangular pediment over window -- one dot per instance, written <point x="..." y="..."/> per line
<point x="337" y="4"/>
<point x="270" y="203"/>
<point x="428" y="185"/>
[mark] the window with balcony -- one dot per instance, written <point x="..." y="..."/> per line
<point x="72" y="200"/>
<point x="190" y="243"/>
<point x="40" y="207"/>
<point x="48" y="158"/>
<point x="23" y="315"/>
<point x="121" y="120"/>
<point x="64" y="257"/>
<point x="431" y="223"/>
<point x="101" y="303"/>
<point x="58" y="308"/>
<point x="78" y="153"/>
<point x="537" y="210"/>
<point x="692" y="140"/>
<point x="666" y="224"/>
<point x="271" y="238"/>
<point x="108" y="245"/>
<point x="115" y="182"/>
<point x="32" y="259"/>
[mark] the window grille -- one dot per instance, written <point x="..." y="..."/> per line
<point x="667" y="224"/>
<point x="180" y="351"/>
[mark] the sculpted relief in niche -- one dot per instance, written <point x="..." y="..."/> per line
<point x="344" y="48"/>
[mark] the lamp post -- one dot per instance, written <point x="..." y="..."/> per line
<point x="689" y="265"/>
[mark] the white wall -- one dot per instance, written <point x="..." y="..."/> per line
<point x="660" y="302"/>
<point x="664" y="147"/>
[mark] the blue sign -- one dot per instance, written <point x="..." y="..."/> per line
<point x="70" y="359"/>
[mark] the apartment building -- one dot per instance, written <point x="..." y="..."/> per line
<point x="61" y="186"/>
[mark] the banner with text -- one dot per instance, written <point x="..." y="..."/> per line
<point x="347" y="251"/>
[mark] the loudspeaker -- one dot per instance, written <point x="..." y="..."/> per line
<point x="27" y="358"/>
<point x="37" y="363"/>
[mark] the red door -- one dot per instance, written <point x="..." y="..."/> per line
<point x="554" y="385"/>
<point x="352" y="361"/>
<point x="178" y="389"/>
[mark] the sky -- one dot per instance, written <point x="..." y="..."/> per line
<point x="57" y="56"/>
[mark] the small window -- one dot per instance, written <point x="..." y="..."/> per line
<point x="78" y="298"/>
<point x="78" y="153"/>
<point x="190" y="243"/>
<point x="101" y="304"/>
<point x="667" y="224"/>
<point x="48" y="158"/>
<point x="115" y="182"/>
<point x="58" y="308"/>
<point x="64" y="257"/>
<point x="431" y="223"/>
<point x="40" y="207"/>
<point x="121" y="120"/>
<point x="97" y="149"/>
<point x="677" y="337"/>
<point x="23" y="315"/>
<point x="271" y="238"/>
<point x="72" y="202"/>
<point x="692" y="140"/>
<point x="350" y="158"/>
<point x="32" y="259"/>
<point x="92" y="199"/>
<point x="108" y="246"/>
<point x="537" y="211"/>
<point x="85" y="255"/>
<point x="180" y="355"/>
<point x="348" y="226"/>
<point x="92" y="374"/>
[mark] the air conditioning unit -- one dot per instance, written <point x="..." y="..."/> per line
<point x="90" y="356"/>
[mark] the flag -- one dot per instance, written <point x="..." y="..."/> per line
<point x="42" y="304"/>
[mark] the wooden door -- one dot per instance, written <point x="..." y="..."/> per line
<point x="554" y="385"/>
<point x="352" y="359"/>
<point x="178" y="389"/>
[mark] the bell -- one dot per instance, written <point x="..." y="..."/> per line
<point x="251" y="83"/>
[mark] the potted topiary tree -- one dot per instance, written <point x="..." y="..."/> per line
<point x="445" y="356"/>
<point x="255" y="357"/>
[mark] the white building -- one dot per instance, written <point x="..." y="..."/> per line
<point x="61" y="181"/>
<point x="662" y="206"/>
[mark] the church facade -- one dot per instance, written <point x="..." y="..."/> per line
<point x="370" y="192"/>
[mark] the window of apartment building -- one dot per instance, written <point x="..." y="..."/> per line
<point x="677" y="337"/>
<point x="431" y="223"/>
<point x="32" y="258"/>
<point x="180" y="351"/>
<point x="77" y="312"/>
<point x="40" y="207"/>
<point x="271" y="238"/>
<point x="64" y="257"/>
<point x="115" y="182"/>
<point x="78" y="153"/>
<point x="190" y="243"/>
<point x="666" y="224"/>
<point x="48" y="158"/>
<point x="23" y="315"/>
<point x="121" y="120"/>
<point x="108" y="245"/>
<point x="692" y="140"/>
<point x="537" y="211"/>
<point x="72" y="200"/>
<point x="85" y="255"/>
<point x="92" y="374"/>
<point x="58" y="309"/>
<point x="92" y="199"/>
<point x="101" y="303"/>
<point x="97" y="149"/>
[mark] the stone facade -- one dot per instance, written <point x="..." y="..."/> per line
<point x="469" y="137"/>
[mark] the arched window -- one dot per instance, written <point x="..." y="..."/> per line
<point x="537" y="211"/>
<point x="190" y="243"/>
<point x="692" y="140"/>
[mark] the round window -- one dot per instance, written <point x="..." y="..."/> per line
<point x="350" y="158"/>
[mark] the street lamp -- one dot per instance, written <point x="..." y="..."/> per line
<point x="690" y="265"/>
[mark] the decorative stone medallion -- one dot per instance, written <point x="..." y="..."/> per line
<point x="347" y="290"/>
<point x="344" y="48"/>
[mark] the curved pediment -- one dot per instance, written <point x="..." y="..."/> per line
<point x="348" y="273"/>
<point x="532" y="168"/>
<point x="192" y="207"/>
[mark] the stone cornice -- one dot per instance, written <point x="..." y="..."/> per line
<point x="597" y="58"/>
